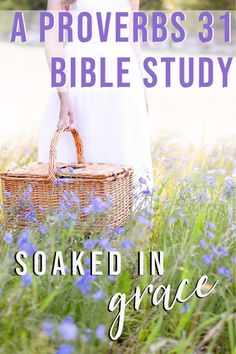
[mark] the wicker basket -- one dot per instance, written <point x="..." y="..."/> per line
<point x="81" y="191"/>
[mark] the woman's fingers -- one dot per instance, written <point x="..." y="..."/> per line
<point x="71" y="119"/>
<point x="62" y="120"/>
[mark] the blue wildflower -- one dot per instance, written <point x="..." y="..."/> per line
<point x="24" y="243"/>
<point x="90" y="244"/>
<point x="68" y="330"/>
<point x="127" y="244"/>
<point x="26" y="197"/>
<point x="224" y="252"/>
<point x="185" y="308"/>
<point x="144" y="220"/>
<point x="101" y="332"/>
<point x="120" y="230"/>
<point x="30" y="216"/>
<point x="142" y="181"/>
<point x="7" y="195"/>
<point x="88" y="276"/>
<point x="203" y="243"/>
<point x="47" y="328"/>
<point x="70" y="169"/>
<point x="0" y="292"/>
<point x="215" y="251"/>
<point x="207" y="259"/>
<point x="87" y="261"/>
<point x="210" y="234"/>
<point x="42" y="229"/>
<point x="111" y="277"/>
<point x="8" y="238"/>
<point x="99" y="295"/>
<point x="97" y="206"/>
<point x="74" y="198"/>
<point x="30" y="188"/>
<point x="83" y="285"/>
<point x="224" y="272"/>
<point x="150" y="211"/>
<point x="86" y="338"/>
<point x="57" y="182"/>
<point x="210" y="225"/>
<point x="105" y="243"/>
<point x="146" y="191"/>
<point x="210" y="180"/>
<point x="171" y="220"/>
<point x="65" y="349"/>
<point x="26" y="279"/>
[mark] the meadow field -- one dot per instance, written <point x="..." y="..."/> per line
<point x="191" y="217"/>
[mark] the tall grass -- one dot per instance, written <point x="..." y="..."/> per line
<point x="192" y="219"/>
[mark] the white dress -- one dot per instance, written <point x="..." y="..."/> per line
<point x="112" y="122"/>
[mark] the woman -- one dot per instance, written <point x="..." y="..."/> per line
<point x="112" y="122"/>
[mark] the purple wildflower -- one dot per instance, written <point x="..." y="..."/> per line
<point x="146" y="191"/>
<point x="142" y="181"/>
<point x="7" y="195"/>
<point x="30" y="188"/>
<point x="65" y="349"/>
<point x="70" y="169"/>
<point x="24" y="243"/>
<point x="101" y="332"/>
<point x="210" y="234"/>
<point x="120" y="230"/>
<point x="42" y="229"/>
<point x="105" y="243"/>
<point x="68" y="330"/>
<point x="185" y="308"/>
<point x="87" y="261"/>
<point x="90" y="244"/>
<point x="127" y="244"/>
<point x="210" y="225"/>
<point x="88" y="276"/>
<point x="207" y="259"/>
<point x="224" y="272"/>
<point x="87" y="336"/>
<point x="8" y="238"/>
<point x="26" y="279"/>
<point x="203" y="243"/>
<point x="171" y="220"/>
<point x="111" y="277"/>
<point x="215" y="251"/>
<point x="144" y="220"/>
<point x="47" y="328"/>
<point x="83" y="285"/>
<point x="30" y="216"/>
<point x="97" y="206"/>
<point x="224" y="252"/>
<point x="150" y="211"/>
<point x="99" y="295"/>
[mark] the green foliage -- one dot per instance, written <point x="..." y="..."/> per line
<point x="23" y="4"/>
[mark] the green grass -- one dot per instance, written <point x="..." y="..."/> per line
<point x="195" y="189"/>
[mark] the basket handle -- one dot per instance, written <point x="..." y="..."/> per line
<point x="53" y="149"/>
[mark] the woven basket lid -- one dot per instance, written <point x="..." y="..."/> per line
<point x="87" y="170"/>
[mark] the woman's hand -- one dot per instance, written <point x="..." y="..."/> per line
<point x="67" y="116"/>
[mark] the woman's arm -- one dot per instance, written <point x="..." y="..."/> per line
<point x="136" y="46"/>
<point x="55" y="49"/>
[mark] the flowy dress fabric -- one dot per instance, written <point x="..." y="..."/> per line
<point x="113" y="122"/>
